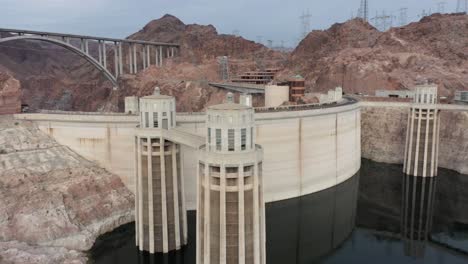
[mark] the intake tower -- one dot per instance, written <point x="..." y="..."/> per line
<point x="160" y="216"/>
<point x="230" y="204"/>
<point x="422" y="136"/>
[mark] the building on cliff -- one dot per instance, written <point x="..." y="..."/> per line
<point x="160" y="215"/>
<point x="422" y="136"/>
<point x="230" y="203"/>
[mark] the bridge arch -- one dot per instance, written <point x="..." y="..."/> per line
<point x="71" y="48"/>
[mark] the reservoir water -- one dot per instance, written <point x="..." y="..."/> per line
<point x="377" y="216"/>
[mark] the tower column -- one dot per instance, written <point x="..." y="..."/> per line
<point x="241" y="215"/>
<point x="222" y="215"/>
<point x="143" y="56"/>
<point x="175" y="190"/>
<point x="130" y="59"/>
<point x="422" y="139"/>
<point x="120" y="59"/>
<point x="150" y="194"/>
<point x="135" y="66"/>
<point x="99" y="52"/>
<point x="104" y="57"/>
<point x="148" y="61"/>
<point x="140" y="196"/>
<point x="116" y="60"/>
<point x="163" y="196"/>
<point x="160" y="56"/>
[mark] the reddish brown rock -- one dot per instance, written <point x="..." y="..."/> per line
<point x="52" y="197"/>
<point x="10" y="94"/>
<point x="359" y="58"/>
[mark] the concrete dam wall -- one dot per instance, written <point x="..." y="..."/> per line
<point x="304" y="151"/>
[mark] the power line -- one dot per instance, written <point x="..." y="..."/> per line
<point x="403" y="17"/>
<point x="305" y="23"/>
<point x="260" y="39"/>
<point x="383" y="22"/>
<point x="462" y="6"/>
<point x="363" y="11"/>
<point x="441" y="7"/>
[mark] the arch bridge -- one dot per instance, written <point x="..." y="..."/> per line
<point x="150" y="53"/>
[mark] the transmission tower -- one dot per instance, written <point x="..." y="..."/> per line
<point x="223" y="67"/>
<point x="441" y="7"/>
<point x="462" y="6"/>
<point x="424" y="13"/>
<point x="260" y="39"/>
<point x="383" y="22"/>
<point x="403" y="17"/>
<point x="305" y="23"/>
<point x="363" y="11"/>
<point x="270" y="43"/>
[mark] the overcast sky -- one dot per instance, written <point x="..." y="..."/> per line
<point x="277" y="20"/>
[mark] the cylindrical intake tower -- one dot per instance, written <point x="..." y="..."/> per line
<point x="230" y="204"/>
<point x="160" y="216"/>
<point x="422" y="136"/>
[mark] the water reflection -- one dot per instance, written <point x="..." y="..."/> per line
<point x="380" y="216"/>
<point x="305" y="229"/>
<point x="418" y="195"/>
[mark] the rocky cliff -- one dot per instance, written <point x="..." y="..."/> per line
<point x="360" y="58"/>
<point x="384" y="132"/>
<point x="53" y="202"/>
<point x="10" y="93"/>
<point x="198" y="42"/>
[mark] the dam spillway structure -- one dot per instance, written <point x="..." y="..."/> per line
<point x="230" y="203"/>
<point x="422" y="136"/>
<point x="160" y="216"/>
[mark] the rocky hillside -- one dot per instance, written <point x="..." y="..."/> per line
<point x="53" y="203"/>
<point x="353" y="55"/>
<point x="359" y="58"/>
<point x="198" y="42"/>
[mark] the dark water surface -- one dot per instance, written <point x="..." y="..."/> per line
<point x="378" y="216"/>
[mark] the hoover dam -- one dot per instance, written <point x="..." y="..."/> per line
<point x="324" y="139"/>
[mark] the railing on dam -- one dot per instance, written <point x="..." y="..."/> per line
<point x="60" y="112"/>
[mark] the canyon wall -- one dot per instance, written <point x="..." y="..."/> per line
<point x="53" y="202"/>
<point x="10" y="101"/>
<point x="384" y="134"/>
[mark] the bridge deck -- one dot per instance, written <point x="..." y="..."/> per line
<point x="54" y="34"/>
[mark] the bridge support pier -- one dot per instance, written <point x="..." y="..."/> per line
<point x="116" y="60"/>
<point x="160" y="56"/>
<point x="143" y="57"/>
<point x="130" y="59"/>
<point x="120" y="59"/>
<point x="86" y="46"/>
<point x="99" y="52"/>
<point x="148" y="60"/>
<point x="104" y="57"/>
<point x="135" y="66"/>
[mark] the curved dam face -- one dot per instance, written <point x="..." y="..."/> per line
<point x="304" y="151"/>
